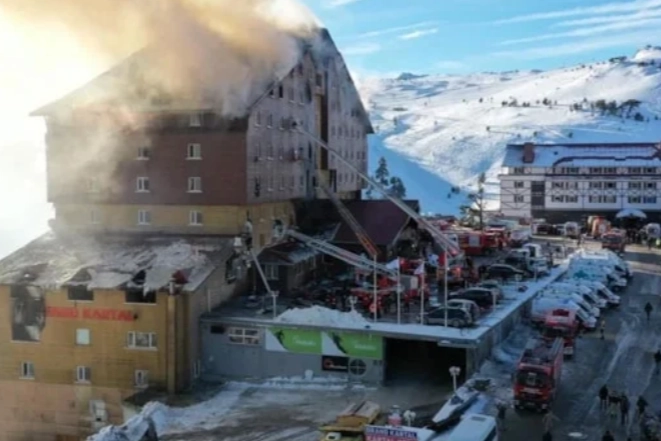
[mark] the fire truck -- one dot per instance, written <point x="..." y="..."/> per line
<point x="614" y="241"/>
<point x="538" y="374"/>
<point x="562" y="323"/>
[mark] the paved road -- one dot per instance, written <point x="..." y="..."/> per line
<point x="623" y="361"/>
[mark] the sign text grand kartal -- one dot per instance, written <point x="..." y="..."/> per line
<point x="90" y="314"/>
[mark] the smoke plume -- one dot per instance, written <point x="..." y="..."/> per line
<point x="213" y="52"/>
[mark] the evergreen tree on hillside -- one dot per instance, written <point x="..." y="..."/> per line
<point x="392" y="184"/>
<point x="476" y="203"/>
<point x="397" y="187"/>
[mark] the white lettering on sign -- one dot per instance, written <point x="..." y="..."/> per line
<point x="303" y="342"/>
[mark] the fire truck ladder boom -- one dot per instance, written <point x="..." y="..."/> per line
<point x="341" y="254"/>
<point x="358" y="229"/>
<point x="262" y="276"/>
<point x="445" y="242"/>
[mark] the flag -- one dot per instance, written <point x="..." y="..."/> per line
<point x="420" y="270"/>
<point x="394" y="265"/>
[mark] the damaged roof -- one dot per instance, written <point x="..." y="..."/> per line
<point x="587" y="155"/>
<point x="110" y="262"/>
<point x="381" y="219"/>
<point x="131" y="84"/>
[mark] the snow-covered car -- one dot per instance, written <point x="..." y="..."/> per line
<point x="494" y="286"/>
<point x="597" y="273"/>
<point x="602" y="291"/>
<point x="620" y="264"/>
<point x="457" y="317"/>
<point x="588" y="293"/>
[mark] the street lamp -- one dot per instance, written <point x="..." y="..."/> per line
<point x="352" y="301"/>
<point x="455" y="371"/>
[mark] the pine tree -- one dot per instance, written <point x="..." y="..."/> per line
<point x="476" y="203"/>
<point x="382" y="174"/>
<point x="397" y="188"/>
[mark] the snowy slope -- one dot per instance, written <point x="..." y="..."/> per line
<point x="433" y="129"/>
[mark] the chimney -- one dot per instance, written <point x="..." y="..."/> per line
<point x="528" y="153"/>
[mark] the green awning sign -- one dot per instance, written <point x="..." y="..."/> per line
<point x="301" y="341"/>
<point x="358" y="345"/>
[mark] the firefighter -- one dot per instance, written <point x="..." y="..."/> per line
<point x="641" y="404"/>
<point x="603" y="397"/>
<point x="624" y="409"/>
<point x="648" y="310"/>
<point x="657" y="360"/>
<point x="502" y="413"/>
<point x="548" y="420"/>
<point x="602" y="328"/>
<point x="607" y="436"/>
<point x="613" y="403"/>
<point x="547" y="436"/>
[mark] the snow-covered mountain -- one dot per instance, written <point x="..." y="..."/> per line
<point x="442" y="131"/>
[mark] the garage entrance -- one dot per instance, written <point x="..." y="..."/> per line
<point x="417" y="361"/>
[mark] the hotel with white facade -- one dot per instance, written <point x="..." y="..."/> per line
<point x="566" y="182"/>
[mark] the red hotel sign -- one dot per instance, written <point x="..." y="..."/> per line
<point x="115" y="315"/>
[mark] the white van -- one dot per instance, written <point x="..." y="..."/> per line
<point x="476" y="427"/>
<point x="601" y="290"/>
<point x="587" y="292"/>
<point x="585" y="306"/>
<point x="541" y="306"/>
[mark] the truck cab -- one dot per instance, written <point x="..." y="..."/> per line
<point x="562" y="323"/>
<point x="538" y="374"/>
<point x="614" y="241"/>
<point x="572" y="230"/>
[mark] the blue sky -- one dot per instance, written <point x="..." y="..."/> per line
<point x="459" y="36"/>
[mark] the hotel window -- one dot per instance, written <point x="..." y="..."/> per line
<point x="195" y="120"/>
<point x="271" y="272"/>
<point x="558" y="185"/>
<point x="269" y="121"/>
<point x="94" y="216"/>
<point x="142" y="184"/>
<point x="635" y="185"/>
<point x="141" y="340"/>
<point x="243" y="336"/>
<point x="83" y="337"/>
<point x="595" y="185"/>
<point x="649" y="170"/>
<point x="635" y="170"/>
<point x="518" y="170"/>
<point x="27" y="370"/>
<point x="194" y="151"/>
<point x="558" y="199"/>
<point x="92" y="185"/>
<point x="195" y="185"/>
<point x="518" y="198"/>
<point x="83" y="374"/>
<point x="635" y="199"/>
<point x="572" y="170"/>
<point x="519" y="184"/>
<point x="571" y="199"/>
<point x="144" y="217"/>
<point x="80" y="294"/>
<point x="602" y="199"/>
<point x="596" y="170"/>
<point x="144" y="153"/>
<point x="649" y="200"/>
<point x="258" y="119"/>
<point x="610" y="170"/>
<point x="195" y="218"/>
<point x="610" y="185"/>
<point x="141" y="378"/>
<point x="650" y="185"/>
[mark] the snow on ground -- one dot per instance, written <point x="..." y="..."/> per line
<point x="320" y="316"/>
<point x="433" y="129"/>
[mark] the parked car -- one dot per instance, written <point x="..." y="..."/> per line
<point x="467" y="305"/>
<point x="503" y="271"/>
<point x="484" y="297"/>
<point x="493" y="285"/>
<point x="457" y="317"/>
<point x="545" y="229"/>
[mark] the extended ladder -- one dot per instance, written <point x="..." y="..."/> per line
<point x="358" y="229"/>
<point x="445" y="242"/>
<point x="339" y="253"/>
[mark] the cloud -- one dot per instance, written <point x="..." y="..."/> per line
<point x="362" y="49"/>
<point x="646" y="13"/>
<point x="579" y="47"/>
<point x="587" y="31"/>
<point x="396" y="29"/>
<point x="451" y="65"/>
<point x="340" y="3"/>
<point x="418" y="34"/>
<point x="608" y="8"/>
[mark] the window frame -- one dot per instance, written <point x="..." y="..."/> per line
<point x="144" y="154"/>
<point x="244" y="336"/>
<point x="194" y="151"/>
<point x="142" y="184"/>
<point x="271" y="272"/>
<point x="192" y="187"/>
<point x="27" y="370"/>
<point x="519" y="199"/>
<point x="152" y="340"/>
<point x="144" y="217"/>
<point x="195" y="120"/>
<point x="89" y="337"/>
<point x="141" y="373"/>
<point x="195" y="218"/>
<point x="86" y="378"/>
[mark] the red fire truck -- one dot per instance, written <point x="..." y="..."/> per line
<point x="562" y="323"/>
<point x="614" y="241"/>
<point x="538" y="374"/>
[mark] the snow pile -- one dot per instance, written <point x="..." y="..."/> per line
<point x="137" y="426"/>
<point x="440" y="131"/>
<point x="320" y="316"/>
<point x="307" y="382"/>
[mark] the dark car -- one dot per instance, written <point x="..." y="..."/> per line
<point x="457" y="317"/>
<point x="504" y="272"/>
<point x="484" y="297"/>
<point x="545" y="229"/>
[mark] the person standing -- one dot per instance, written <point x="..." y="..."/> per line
<point x="602" y="329"/>
<point x="648" y="310"/>
<point x="657" y="360"/>
<point x="641" y="404"/>
<point x="548" y="420"/>
<point x="613" y="403"/>
<point x="502" y="413"/>
<point x="548" y="436"/>
<point x="603" y="398"/>
<point x="624" y="410"/>
<point x="608" y="436"/>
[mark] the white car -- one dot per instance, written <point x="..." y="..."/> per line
<point x="587" y="292"/>
<point x="541" y="306"/>
<point x="602" y="291"/>
<point x="580" y="301"/>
